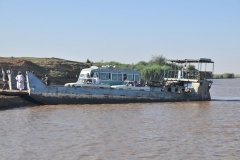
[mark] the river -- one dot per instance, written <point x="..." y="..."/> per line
<point x="179" y="130"/>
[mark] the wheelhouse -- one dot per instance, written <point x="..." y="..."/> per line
<point x="195" y="69"/>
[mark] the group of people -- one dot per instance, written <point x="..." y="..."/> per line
<point x="19" y="78"/>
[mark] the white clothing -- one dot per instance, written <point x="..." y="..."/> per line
<point x="20" y="82"/>
<point x="97" y="81"/>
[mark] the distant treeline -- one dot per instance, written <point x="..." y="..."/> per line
<point x="225" y="75"/>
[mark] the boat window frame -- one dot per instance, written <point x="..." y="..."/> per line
<point x="114" y="76"/>
<point x="120" y="77"/>
<point x="83" y="74"/>
<point x="106" y="75"/>
<point x="130" y="75"/>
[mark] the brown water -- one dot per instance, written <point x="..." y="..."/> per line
<point x="182" y="130"/>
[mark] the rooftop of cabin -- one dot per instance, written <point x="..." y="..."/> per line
<point x="109" y="67"/>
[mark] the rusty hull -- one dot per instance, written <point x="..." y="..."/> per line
<point x="75" y="95"/>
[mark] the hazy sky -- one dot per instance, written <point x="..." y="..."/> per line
<point x="126" y="31"/>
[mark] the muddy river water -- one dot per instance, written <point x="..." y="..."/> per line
<point x="179" y="130"/>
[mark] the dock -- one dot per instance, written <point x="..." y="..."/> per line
<point x="13" y="91"/>
<point x="12" y="88"/>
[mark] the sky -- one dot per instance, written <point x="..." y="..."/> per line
<point x="125" y="31"/>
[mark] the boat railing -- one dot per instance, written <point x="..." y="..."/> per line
<point x="190" y="74"/>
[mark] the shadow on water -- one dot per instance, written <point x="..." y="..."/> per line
<point x="30" y="99"/>
<point x="25" y="102"/>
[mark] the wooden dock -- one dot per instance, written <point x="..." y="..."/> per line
<point x="13" y="92"/>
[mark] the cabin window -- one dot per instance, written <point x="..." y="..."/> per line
<point x="94" y="74"/>
<point x="120" y="77"/>
<point x="114" y="76"/>
<point x="137" y="78"/>
<point x="104" y="76"/>
<point x="83" y="74"/>
<point x="109" y="75"/>
<point x="130" y="77"/>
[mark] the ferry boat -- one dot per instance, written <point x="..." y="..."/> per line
<point x="177" y="84"/>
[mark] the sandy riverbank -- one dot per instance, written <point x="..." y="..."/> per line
<point x="9" y="102"/>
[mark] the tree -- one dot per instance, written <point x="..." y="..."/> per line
<point x="142" y="63"/>
<point x="157" y="59"/>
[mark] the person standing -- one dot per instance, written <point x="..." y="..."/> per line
<point x="139" y="84"/>
<point x="20" y="81"/>
<point x="5" y="79"/>
<point x="46" y="80"/>
<point x="185" y="69"/>
<point x="88" y="78"/>
<point x="97" y="81"/>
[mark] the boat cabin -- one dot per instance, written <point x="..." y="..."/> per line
<point x="188" y="74"/>
<point x="190" y="69"/>
<point x="108" y="75"/>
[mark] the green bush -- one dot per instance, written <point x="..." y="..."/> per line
<point x="152" y="72"/>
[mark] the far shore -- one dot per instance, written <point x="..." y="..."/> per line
<point x="227" y="78"/>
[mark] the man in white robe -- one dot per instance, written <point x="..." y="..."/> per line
<point x="97" y="81"/>
<point x="20" y="81"/>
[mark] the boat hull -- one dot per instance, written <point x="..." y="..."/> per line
<point x="75" y="95"/>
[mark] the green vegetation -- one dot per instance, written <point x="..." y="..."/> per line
<point x="225" y="75"/>
<point x="152" y="70"/>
